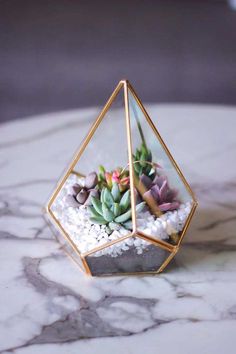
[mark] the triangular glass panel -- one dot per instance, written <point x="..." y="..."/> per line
<point x="158" y="180"/>
<point x="122" y="186"/>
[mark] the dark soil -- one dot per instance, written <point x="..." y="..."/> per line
<point x="128" y="262"/>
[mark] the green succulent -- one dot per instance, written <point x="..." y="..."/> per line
<point x="113" y="208"/>
<point x="143" y="166"/>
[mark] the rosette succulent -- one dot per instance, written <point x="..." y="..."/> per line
<point x="113" y="208"/>
<point x="158" y="191"/>
<point x="80" y="194"/>
<point x="119" y="176"/>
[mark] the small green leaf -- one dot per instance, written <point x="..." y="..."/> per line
<point x="137" y="154"/>
<point x="137" y="168"/>
<point x="125" y="201"/>
<point x="143" y="159"/>
<point x="123" y="217"/>
<point x="139" y="207"/>
<point x="102" y="171"/>
<point x="116" y="209"/>
<point x="93" y="211"/>
<point x="98" y="220"/>
<point x="108" y="199"/>
<point x="143" y="149"/>
<point x="102" y="195"/>
<point x="115" y="191"/>
<point x="107" y="214"/>
<point x="97" y="205"/>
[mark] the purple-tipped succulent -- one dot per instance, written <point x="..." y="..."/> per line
<point x="159" y="190"/>
<point x="81" y="194"/>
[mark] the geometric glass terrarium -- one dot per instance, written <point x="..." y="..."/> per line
<point x="123" y="204"/>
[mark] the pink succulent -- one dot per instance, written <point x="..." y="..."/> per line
<point x="118" y="177"/>
<point x="159" y="190"/>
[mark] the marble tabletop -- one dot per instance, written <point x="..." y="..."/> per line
<point x="48" y="306"/>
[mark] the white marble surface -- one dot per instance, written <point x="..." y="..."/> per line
<point x="48" y="306"/>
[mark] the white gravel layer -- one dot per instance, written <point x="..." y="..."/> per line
<point x="88" y="236"/>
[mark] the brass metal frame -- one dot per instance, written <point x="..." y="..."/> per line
<point x="173" y="249"/>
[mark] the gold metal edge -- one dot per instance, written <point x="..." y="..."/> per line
<point x="164" y="245"/>
<point x="136" y="274"/>
<point x="130" y="154"/>
<point x="167" y="261"/>
<point x="187" y="223"/>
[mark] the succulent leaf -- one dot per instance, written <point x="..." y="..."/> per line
<point x="108" y="215"/>
<point x="98" y="220"/>
<point x="97" y="205"/>
<point x="102" y="196"/>
<point x="82" y="193"/>
<point x="82" y="196"/>
<point x="158" y="195"/>
<point x="92" y="193"/>
<point x="137" y="168"/>
<point x="93" y="211"/>
<point x="143" y="162"/>
<point x="139" y="207"/>
<point x="75" y="189"/>
<point x="116" y="209"/>
<point x="101" y="174"/>
<point x="123" y="217"/>
<point x="125" y="201"/>
<point x="108" y="199"/>
<point x="113" y="208"/>
<point x="115" y="191"/>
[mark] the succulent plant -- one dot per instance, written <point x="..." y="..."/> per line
<point x="119" y="176"/>
<point x="143" y="162"/>
<point x="80" y="194"/>
<point x="158" y="190"/>
<point x="113" y="208"/>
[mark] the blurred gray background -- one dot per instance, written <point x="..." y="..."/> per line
<point x="62" y="54"/>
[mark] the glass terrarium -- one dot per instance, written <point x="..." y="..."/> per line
<point x="123" y="204"/>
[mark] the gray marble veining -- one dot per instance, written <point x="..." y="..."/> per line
<point x="48" y="306"/>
